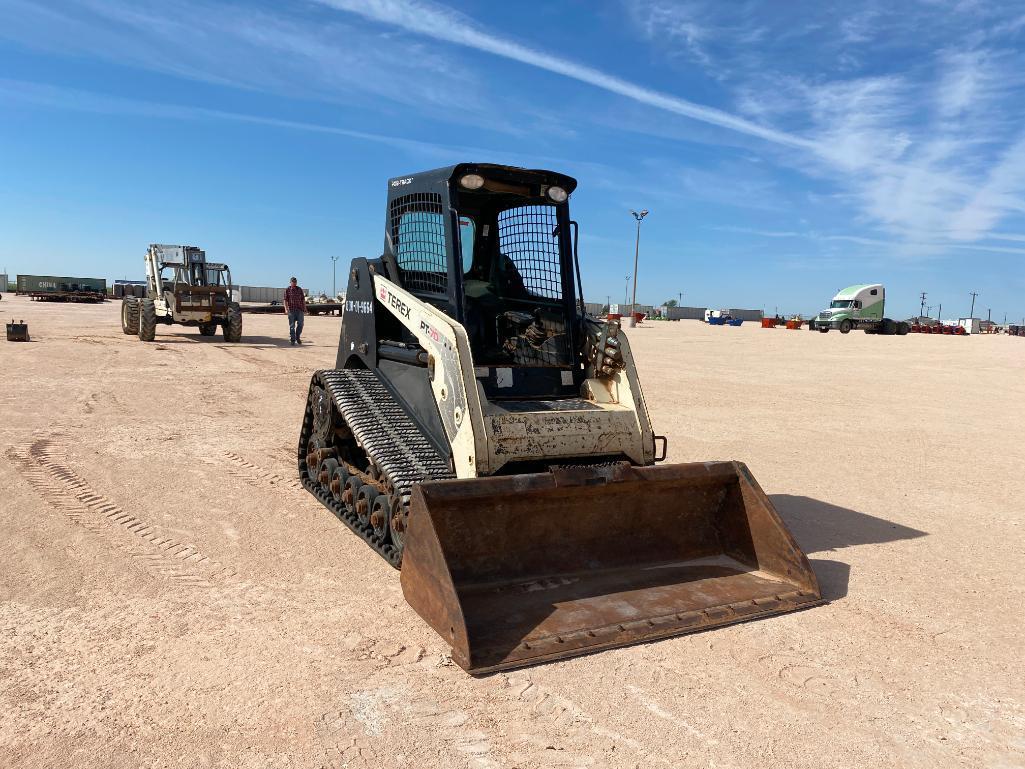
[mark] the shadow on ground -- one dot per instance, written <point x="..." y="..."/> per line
<point x="821" y="527"/>
<point x="248" y="340"/>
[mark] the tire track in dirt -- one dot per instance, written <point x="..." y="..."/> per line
<point x="258" y="476"/>
<point x="538" y="726"/>
<point x="145" y="546"/>
<point x="436" y="717"/>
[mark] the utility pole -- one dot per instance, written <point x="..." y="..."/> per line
<point x="334" y="286"/>
<point x="971" y="314"/>
<point x="939" y="314"/>
<point x="637" y="252"/>
<point x="928" y="311"/>
<point x="921" y="311"/>
<point x="679" y="300"/>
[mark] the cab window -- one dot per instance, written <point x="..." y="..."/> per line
<point x="467" y="238"/>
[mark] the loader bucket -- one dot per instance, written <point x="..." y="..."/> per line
<point x="516" y="570"/>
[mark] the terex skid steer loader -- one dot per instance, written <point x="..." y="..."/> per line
<point x="485" y="434"/>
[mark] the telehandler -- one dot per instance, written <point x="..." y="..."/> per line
<point x="183" y="288"/>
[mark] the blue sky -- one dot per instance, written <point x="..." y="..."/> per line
<point x="784" y="149"/>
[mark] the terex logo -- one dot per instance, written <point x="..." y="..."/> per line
<point x="430" y="331"/>
<point x="394" y="302"/>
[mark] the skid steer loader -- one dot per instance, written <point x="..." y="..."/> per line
<point x="183" y="288"/>
<point x="483" y="433"/>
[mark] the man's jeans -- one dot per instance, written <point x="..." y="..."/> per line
<point x="295" y="324"/>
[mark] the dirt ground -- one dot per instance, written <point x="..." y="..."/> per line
<point x="171" y="597"/>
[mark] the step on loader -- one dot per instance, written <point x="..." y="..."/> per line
<point x="183" y="288"/>
<point x="484" y="434"/>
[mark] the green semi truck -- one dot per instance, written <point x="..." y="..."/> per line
<point x="858" y="307"/>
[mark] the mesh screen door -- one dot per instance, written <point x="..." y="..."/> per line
<point x="418" y="236"/>
<point x="525" y="236"/>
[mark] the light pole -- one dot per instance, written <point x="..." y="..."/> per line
<point x="334" y="286"/>
<point x="637" y="252"/>
<point x="626" y="292"/>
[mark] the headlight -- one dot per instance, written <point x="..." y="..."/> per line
<point x="558" y="194"/>
<point x="472" y="181"/>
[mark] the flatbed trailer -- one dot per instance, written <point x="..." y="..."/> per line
<point x="90" y="297"/>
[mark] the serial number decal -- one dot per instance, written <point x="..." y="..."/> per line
<point x="364" y="307"/>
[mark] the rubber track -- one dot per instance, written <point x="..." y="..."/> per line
<point x="390" y="438"/>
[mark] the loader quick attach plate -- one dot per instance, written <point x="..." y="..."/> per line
<point x="522" y="569"/>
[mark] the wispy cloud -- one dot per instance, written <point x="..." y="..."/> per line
<point x="275" y="51"/>
<point x="442" y="23"/>
<point x="927" y="153"/>
<point x="935" y="247"/>
<point x="56" y="97"/>
<point x="857" y="132"/>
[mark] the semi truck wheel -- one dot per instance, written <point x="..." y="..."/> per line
<point x="903" y="327"/>
<point x="233" y="324"/>
<point x="208" y="329"/>
<point x="845" y="326"/>
<point x="811" y="324"/>
<point x="889" y="328"/>
<point x="129" y="315"/>
<point x="147" y="320"/>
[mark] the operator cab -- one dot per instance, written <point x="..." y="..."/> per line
<point x="502" y="264"/>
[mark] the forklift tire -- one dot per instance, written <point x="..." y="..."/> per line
<point x="208" y="329"/>
<point x="147" y="320"/>
<point x="233" y="324"/>
<point x="129" y="315"/>
<point x="845" y="326"/>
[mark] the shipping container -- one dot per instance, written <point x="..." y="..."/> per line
<point x="687" y="313"/>
<point x="755" y="315"/>
<point x="50" y="284"/>
<point x="3" y="282"/>
<point x="262" y="294"/>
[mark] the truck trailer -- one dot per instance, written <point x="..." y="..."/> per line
<point x="858" y="307"/>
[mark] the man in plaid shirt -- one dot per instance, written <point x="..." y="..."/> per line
<point x="295" y="306"/>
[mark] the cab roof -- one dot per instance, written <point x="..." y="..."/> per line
<point x="851" y="292"/>
<point x="451" y="174"/>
